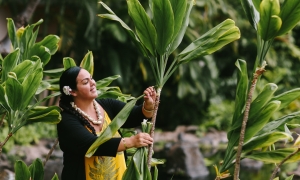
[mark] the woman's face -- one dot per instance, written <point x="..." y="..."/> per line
<point x="86" y="86"/>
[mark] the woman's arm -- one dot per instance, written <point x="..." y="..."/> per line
<point x="75" y="139"/>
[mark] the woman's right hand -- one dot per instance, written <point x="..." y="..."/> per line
<point x="139" y="140"/>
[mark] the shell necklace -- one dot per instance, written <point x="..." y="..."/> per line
<point x="86" y="116"/>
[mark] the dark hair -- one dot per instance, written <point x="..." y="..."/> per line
<point x="68" y="78"/>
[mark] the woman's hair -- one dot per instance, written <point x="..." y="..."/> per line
<point x="68" y="78"/>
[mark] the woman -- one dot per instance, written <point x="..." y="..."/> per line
<point x="84" y="118"/>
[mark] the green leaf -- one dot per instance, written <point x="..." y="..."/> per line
<point x="9" y="62"/>
<point x="275" y="156"/>
<point x="37" y="170"/>
<point x="163" y="19"/>
<point x="113" y="127"/>
<point x="23" y="69"/>
<point x="134" y="38"/>
<point x="144" y="27"/>
<point x="14" y="92"/>
<point x="42" y="52"/>
<point x="42" y="87"/>
<point x="241" y="94"/>
<point x="287" y="97"/>
<point x="270" y="22"/>
<point x="183" y="26"/>
<point x="54" y="73"/>
<point x="55" y="177"/>
<point x="262" y="99"/>
<point x="256" y="124"/>
<point x="251" y="9"/>
<point x="3" y="100"/>
<point x="265" y="140"/>
<point x="68" y="62"/>
<point x="275" y="124"/>
<point x="179" y="10"/>
<point x="44" y="114"/>
<point x="88" y="63"/>
<point x="290" y="16"/>
<point x="50" y="42"/>
<point x="12" y="32"/>
<point x="211" y="41"/>
<point x="21" y="171"/>
<point x="106" y="81"/>
<point x="30" y="85"/>
<point x="290" y="177"/>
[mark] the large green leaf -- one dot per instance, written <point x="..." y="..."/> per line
<point x="265" y="140"/>
<point x="270" y="22"/>
<point x="30" y="85"/>
<point x="287" y="97"/>
<point x="23" y="69"/>
<point x="42" y="52"/>
<point x="273" y="125"/>
<point x="262" y="99"/>
<point x="44" y="114"/>
<point x="37" y="170"/>
<point x="106" y="81"/>
<point x="275" y="156"/>
<point x="54" y="73"/>
<point x="21" y="171"/>
<point x="183" y="26"/>
<point x="51" y="42"/>
<point x="143" y="25"/>
<point x="12" y="32"/>
<point x="290" y="16"/>
<point x="179" y="10"/>
<point x="14" y="92"/>
<point x="9" y="62"/>
<point x="163" y="19"/>
<point x="211" y="41"/>
<point x="251" y="12"/>
<point x="256" y="124"/>
<point x="241" y="95"/>
<point x="134" y="38"/>
<point x="88" y="63"/>
<point x="113" y="127"/>
<point x="68" y="62"/>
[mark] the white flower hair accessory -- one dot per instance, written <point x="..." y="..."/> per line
<point x="67" y="90"/>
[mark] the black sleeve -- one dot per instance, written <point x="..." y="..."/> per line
<point x="75" y="139"/>
<point x="113" y="107"/>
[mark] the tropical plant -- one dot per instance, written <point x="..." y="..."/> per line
<point x="22" y="79"/>
<point x="257" y="140"/>
<point x="160" y="32"/>
<point x="34" y="171"/>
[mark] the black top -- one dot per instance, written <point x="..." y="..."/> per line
<point x="75" y="139"/>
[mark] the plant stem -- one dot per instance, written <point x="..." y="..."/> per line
<point x="283" y="161"/>
<point x="150" y="148"/>
<point x="2" y="144"/>
<point x="258" y="72"/>
<point x="50" y="152"/>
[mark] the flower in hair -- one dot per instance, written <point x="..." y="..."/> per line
<point x="67" y="90"/>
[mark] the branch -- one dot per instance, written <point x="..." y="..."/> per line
<point x="283" y="161"/>
<point x="2" y="144"/>
<point x="256" y="75"/>
<point x="150" y="148"/>
<point x="50" y="152"/>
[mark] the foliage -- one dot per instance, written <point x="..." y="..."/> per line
<point x="262" y="131"/>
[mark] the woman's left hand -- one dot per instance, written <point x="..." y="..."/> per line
<point x="149" y="98"/>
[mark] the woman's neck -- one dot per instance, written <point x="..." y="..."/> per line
<point x="84" y="105"/>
